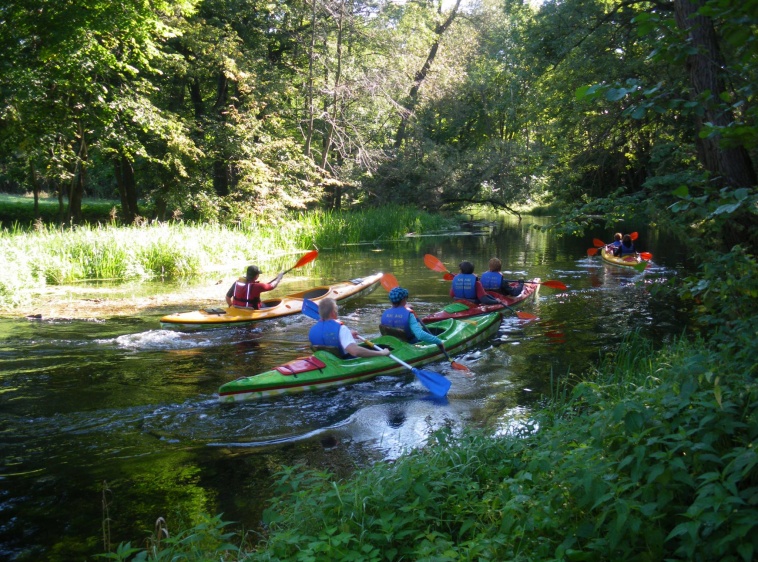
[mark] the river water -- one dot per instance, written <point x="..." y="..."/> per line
<point x="106" y="425"/>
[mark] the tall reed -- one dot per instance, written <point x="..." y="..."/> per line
<point x="30" y="260"/>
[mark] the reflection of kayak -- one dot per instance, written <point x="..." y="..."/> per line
<point x="627" y="261"/>
<point x="323" y="369"/>
<point x="467" y="309"/>
<point x="275" y="308"/>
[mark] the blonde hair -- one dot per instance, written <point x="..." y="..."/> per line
<point x="495" y="264"/>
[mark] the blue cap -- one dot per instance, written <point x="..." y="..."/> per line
<point x="397" y="295"/>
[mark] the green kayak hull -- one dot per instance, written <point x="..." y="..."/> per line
<point x="457" y="335"/>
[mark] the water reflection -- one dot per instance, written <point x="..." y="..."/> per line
<point x="119" y="415"/>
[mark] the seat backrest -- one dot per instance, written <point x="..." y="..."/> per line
<point x="333" y="349"/>
<point x="396" y="332"/>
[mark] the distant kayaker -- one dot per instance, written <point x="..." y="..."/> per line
<point x="401" y="320"/>
<point x="246" y="291"/>
<point x="493" y="280"/>
<point x="331" y="334"/>
<point x="610" y="248"/>
<point x="626" y="248"/>
<point x="467" y="286"/>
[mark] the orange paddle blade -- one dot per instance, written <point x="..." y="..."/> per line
<point x="646" y="255"/>
<point x="389" y="282"/>
<point x="307" y="258"/>
<point x="555" y="285"/>
<point x="526" y="316"/>
<point x="448" y="276"/>
<point x="459" y="367"/>
<point x="433" y="263"/>
<point x="592" y="251"/>
<point x="598" y="243"/>
<point x="634" y="235"/>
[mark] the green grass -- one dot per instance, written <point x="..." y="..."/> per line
<point x="48" y="255"/>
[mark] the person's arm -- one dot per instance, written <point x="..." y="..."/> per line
<point x="229" y="295"/>
<point x="422" y="335"/>
<point x="480" y="292"/>
<point x="275" y="281"/>
<point x="348" y="344"/>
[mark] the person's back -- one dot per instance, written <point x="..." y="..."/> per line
<point x="492" y="280"/>
<point x="464" y="284"/>
<point x="626" y="247"/>
<point x="401" y="322"/>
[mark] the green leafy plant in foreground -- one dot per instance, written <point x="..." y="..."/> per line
<point x="651" y="459"/>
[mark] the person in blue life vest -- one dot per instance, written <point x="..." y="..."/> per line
<point x="331" y="334"/>
<point x="494" y="281"/>
<point x="400" y="320"/>
<point x="466" y="286"/>
<point x="626" y="248"/>
<point x="246" y="291"/>
<point x="610" y="248"/>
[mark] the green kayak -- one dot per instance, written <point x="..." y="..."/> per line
<point x="323" y="369"/>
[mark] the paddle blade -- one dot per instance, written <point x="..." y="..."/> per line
<point x="448" y="276"/>
<point x="646" y="255"/>
<point x="389" y="282"/>
<point x="459" y="367"/>
<point x="433" y="263"/>
<point x="555" y="285"/>
<point x="526" y="316"/>
<point x="310" y="309"/>
<point x="598" y="243"/>
<point x="434" y="382"/>
<point x="634" y="235"/>
<point x="307" y="258"/>
<point x="592" y="251"/>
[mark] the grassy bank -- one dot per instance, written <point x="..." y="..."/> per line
<point x="30" y="260"/>
<point x="650" y="457"/>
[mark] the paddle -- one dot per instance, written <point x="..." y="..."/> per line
<point x="436" y="383"/>
<point x="389" y="282"/>
<point x="306" y="259"/>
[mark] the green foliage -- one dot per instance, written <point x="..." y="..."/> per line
<point x="205" y="541"/>
<point x="649" y="458"/>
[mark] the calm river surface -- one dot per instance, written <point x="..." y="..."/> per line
<point x="110" y="424"/>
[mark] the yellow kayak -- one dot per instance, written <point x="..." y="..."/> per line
<point x="274" y="308"/>
<point x="635" y="262"/>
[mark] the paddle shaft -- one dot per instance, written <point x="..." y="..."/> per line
<point x="396" y="359"/>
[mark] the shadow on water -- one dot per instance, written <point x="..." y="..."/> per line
<point x="108" y="424"/>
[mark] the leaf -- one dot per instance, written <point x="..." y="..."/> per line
<point x="681" y="191"/>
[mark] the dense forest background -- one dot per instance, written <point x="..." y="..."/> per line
<point x="231" y="110"/>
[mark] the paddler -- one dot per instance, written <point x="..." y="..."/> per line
<point x="466" y="286"/>
<point x="246" y="291"/>
<point x="494" y="281"/>
<point x="401" y="320"/>
<point x="331" y="334"/>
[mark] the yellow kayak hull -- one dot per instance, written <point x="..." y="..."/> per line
<point x="274" y="308"/>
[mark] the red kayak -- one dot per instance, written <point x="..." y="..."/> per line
<point x="466" y="309"/>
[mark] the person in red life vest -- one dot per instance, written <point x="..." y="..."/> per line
<point x="402" y="320"/>
<point x="626" y="248"/>
<point x="246" y="291"/>
<point x="494" y="281"/>
<point x="331" y="334"/>
<point x="466" y="286"/>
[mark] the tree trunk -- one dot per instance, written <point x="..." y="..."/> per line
<point x="127" y="189"/>
<point x="732" y="165"/>
<point x="409" y="107"/>
<point x="309" y="93"/>
<point x="35" y="187"/>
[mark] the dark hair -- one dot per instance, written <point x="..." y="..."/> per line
<point x="627" y="240"/>
<point x="466" y="267"/>
<point x="253" y="272"/>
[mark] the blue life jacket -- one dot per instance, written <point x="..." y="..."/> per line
<point x="492" y="280"/>
<point x="464" y="286"/>
<point x="626" y="250"/>
<point x="326" y="333"/>
<point x="398" y="318"/>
